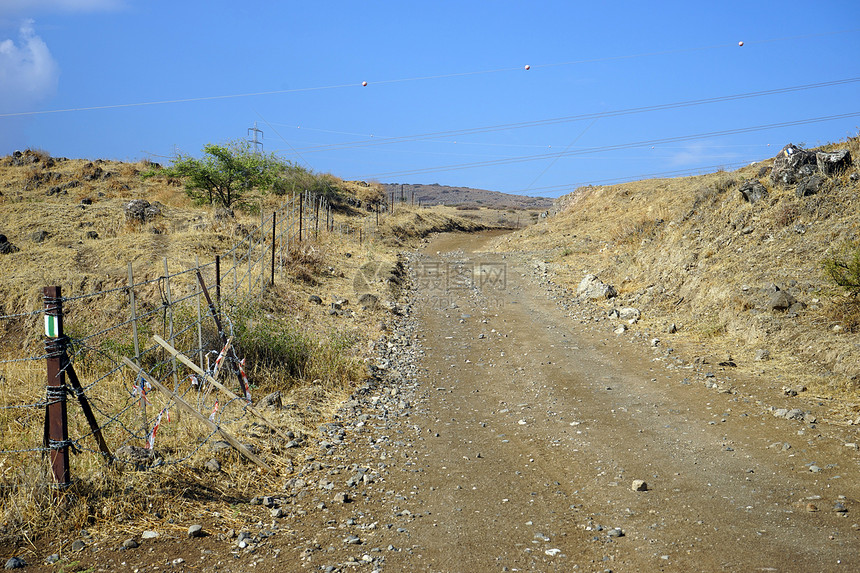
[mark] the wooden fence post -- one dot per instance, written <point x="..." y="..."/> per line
<point x="56" y="417"/>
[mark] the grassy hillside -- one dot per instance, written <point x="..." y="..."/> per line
<point x="64" y="223"/>
<point x="692" y="252"/>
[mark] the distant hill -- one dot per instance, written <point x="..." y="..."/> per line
<point x="436" y="194"/>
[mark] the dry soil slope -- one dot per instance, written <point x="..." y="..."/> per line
<point x="692" y="252"/>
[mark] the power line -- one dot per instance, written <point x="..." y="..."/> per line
<point x="572" y="118"/>
<point x="644" y="143"/>
<point x="413" y="79"/>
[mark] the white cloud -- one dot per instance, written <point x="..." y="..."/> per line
<point x="29" y="7"/>
<point x="28" y="72"/>
<point x="28" y="76"/>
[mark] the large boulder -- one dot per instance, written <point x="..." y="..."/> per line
<point x="833" y="162"/>
<point x="792" y="164"/>
<point x="752" y="190"/>
<point x="809" y="186"/>
<point x="140" y="210"/>
<point x="593" y="288"/>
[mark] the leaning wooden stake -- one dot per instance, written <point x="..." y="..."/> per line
<point x="190" y="409"/>
<point x="182" y="358"/>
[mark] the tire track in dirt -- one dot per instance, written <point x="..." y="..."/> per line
<point x="534" y="427"/>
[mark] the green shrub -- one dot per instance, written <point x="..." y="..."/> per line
<point x="843" y="269"/>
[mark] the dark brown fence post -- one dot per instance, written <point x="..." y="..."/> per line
<point x="56" y="417"/>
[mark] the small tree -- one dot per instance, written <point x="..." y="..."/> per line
<point x="225" y="174"/>
<point x="844" y="270"/>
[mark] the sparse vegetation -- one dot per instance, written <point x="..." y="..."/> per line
<point x="844" y="269"/>
<point x="711" y="264"/>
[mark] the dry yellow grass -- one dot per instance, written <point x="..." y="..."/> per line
<point x="81" y="263"/>
<point x="690" y="251"/>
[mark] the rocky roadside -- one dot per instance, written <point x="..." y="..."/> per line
<point x="714" y="374"/>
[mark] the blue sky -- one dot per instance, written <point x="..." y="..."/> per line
<point x="446" y="79"/>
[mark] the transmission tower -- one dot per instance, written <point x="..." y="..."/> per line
<point x="258" y="145"/>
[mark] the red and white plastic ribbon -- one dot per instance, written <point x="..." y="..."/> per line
<point x="219" y="361"/>
<point x="140" y="388"/>
<point x="150" y="440"/>
<point x="245" y="384"/>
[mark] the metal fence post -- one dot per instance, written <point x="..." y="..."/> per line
<point x="218" y="282"/>
<point x="56" y="418"/>
<point x="170" y="311"/>
<point x="199" y="319"/>
<point x="132" y="304"/>
<point x="274" y="231"/>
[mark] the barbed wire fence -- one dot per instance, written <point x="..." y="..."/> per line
<point x="113" y="396"/>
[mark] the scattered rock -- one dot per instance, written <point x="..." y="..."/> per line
<point x="130" y="544"/>
<point x="639" y="485"/>
<point x="625" y="313"/>
<point x="752" y="191"/>
<point x="141" y="211"/>
<point x="39" y="236"/>
<point x="780" y="300"/>
<point x="762" y="354"/>
<point x="15" y="563"/>
<point x="368" y="301"/>
<point x="272" y="400"/>
<point x="833" y="162"/>
<point x="149" y="534"/>
<point x="809" y="186"/>
<point x="213" y="466"/>
<point x="92" y="235"/>
<point x="78" y="545"/>
<point x="592" y="288"/>
<point x="139" y="457"/>
<point x="195" y="531"/>
<point x="342" y="497"/>
<point x="840" y="507"/>
<point x="6" y="247"/>
<point x="315" y="299"/>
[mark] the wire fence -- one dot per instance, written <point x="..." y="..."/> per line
<point x="159" y="378"/>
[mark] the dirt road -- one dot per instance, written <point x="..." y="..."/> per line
<point x="504" y="431"/>
<point x="535" y="425"/>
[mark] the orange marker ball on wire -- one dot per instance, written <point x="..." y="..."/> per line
<point x="740" y="43"/>
<point x="528" y="67"/>
<point x="364" y="84"/>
